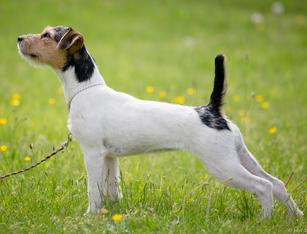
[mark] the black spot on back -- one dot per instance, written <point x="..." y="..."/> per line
<point x="212" y="117"/>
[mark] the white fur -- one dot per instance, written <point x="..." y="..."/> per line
<point x="110" y="124"/>
<point x="31" y="61"/>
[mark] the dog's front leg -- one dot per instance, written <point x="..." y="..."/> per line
<point x="112" y="178"/>
<point x="94" y="161"/>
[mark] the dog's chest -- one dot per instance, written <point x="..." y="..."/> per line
<point x="83" y="128"/>
<point x="90" y="128"/>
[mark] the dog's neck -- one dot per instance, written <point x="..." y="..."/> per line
<point x="78" y="75"/>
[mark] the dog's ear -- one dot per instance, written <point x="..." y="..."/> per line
<point x="71" y="40"/>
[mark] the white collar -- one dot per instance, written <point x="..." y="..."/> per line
<point x="78" y="90"/>
<point x="72" y="87"/>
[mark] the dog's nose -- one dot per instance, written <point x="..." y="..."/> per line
<point x="20" y="38"/>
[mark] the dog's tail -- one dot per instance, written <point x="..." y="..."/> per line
<point x="219" y="88"/>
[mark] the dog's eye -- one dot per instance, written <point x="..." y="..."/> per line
<point x="45" y="35"/>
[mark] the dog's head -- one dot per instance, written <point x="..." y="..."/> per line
<point x="53" y="46"/>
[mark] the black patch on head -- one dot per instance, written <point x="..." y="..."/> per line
<point x="212" y="118"/>
<point x="60" y="31"/>
<point x="83" y="64"/>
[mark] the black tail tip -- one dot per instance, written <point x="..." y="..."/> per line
<point x="219" y="59"/>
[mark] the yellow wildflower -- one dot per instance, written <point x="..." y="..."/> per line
<point x="300" y="19"/>
<point x="3" y="121"/>
<point x="15" y="102"/>
<point x="247" y="120"/>
<point x="190" y="91"/>
<point x="236" y="98"/>
<point x="51" y="101"/>
<point x="3" y="148"/>
<point x="259" y="98"/>
<point x="27" y="158"/>
<point x="228" y="109"/>
<point x="60" y="90"/>
<point x="162" y="94"/>
<point x="179" y="100"/>
<point x="272" y="130"/>
<point x="264" y="105"/>
<point x="150" y="89"/>
<point x="16" y="96"/>
<point x="241" y="113"/>
<point x="117" y="217"/>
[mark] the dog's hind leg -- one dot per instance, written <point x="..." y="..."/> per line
<point x="241" y="178"/>
<point x="253" y="166"/>
<point x="222" y="161"/>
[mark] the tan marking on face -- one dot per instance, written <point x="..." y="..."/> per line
<point x="43" y="49"/>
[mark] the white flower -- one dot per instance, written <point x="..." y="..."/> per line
<point x="257" y="18"/>
<point x="277" y="8"/>
<point x="189" y="41"/>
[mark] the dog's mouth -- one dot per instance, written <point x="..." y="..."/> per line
<point x="22" y="52"/>
<point x="33" y="56"/>
<point x="25" y="54"/>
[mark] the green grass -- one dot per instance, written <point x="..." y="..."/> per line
<point x="171" y="46"/>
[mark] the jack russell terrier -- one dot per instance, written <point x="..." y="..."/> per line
<point x="110" y="124"/>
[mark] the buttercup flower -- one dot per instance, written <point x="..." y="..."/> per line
<point x="179" y="100"/>
<point x="264" y="105"/>
<point x="190" y="91"/>
<point x="162" y="94"/>
<point x="16" y="96"/>
<point x="300" y="19"/>
<point x="236" y="98"/>
<point x="246" y="120"/>
<point x="228" y="109"/>
<point x="150" y="89"/>
<point x="3" y="121"/>
<point x="3" y="148"/>
<point x="60" y="90"/>
<point x="241" y="113"/>
<point x="15" y="100"/>
<point x="272" y="130"/>
<point x="117" y="217"/>
<point x="259" y="98"/>
<point x="27" y="158"/>
<point x="51" y="101"/>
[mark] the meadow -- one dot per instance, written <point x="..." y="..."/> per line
<point x="157" y="50"/>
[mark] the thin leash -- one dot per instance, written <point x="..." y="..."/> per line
<point x="48" y="156"/>
<point x="61" y="148"/>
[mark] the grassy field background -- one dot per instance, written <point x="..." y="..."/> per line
<point x="167" y="46"/>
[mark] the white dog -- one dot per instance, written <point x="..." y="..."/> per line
<point x="110" y="124"/>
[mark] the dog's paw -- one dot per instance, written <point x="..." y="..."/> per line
<point x="115" y="195"/>
<point x="118" y="196"/>
<point x="299" y="213"/>
<point x="91" y="210"/>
